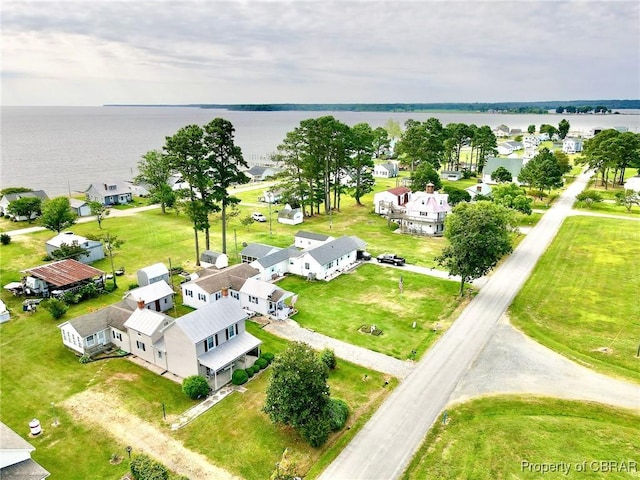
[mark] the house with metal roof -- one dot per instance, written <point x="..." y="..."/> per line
<point x="213" y="284"/>
<point x="254" y="251"/>
<point x="145" y="335"/>
<point x="290" y="216"/>
<point x="15" y="457"/>
<point x="393" y="198"/>
<point x="157" y="296"/>
<point x="328" y="260"/>
<point x="425" y="213"/>
<point x="59" y="277"/>
<point x="94" y="248"/>
<point x="211" y="341"/>
<point x="304" y="239"/>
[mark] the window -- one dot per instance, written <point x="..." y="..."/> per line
<point x="166" y="300"/>
<point x="140" y="346"/>
<point x="116" y="335"/>
<point x="202" y="297"/>
<point x="189" y="293"/>
<point x="306" y="266"/>
<point x="209" y="343"/>
<point x="218" y="295"/>
<point x="235" y="295"/>
<point x="253" y="299"/>
<point x="231" y="332"/>
<point x="91" y="341"/>
<point x="64" y="335"/>
<point x="159" y="354"/>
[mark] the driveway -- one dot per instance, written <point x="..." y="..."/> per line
<point x="386" y="444"/>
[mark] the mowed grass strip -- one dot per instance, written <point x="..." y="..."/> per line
<point x="370" y="295"/>
<point x="490" y="438"/>
<point x="237" y="435"/>
<point x="583" y="295"/>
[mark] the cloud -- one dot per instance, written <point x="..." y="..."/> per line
<point x="317" y="51"/>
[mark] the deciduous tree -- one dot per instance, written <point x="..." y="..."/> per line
<point x="563" y="128"/>
<point x="57" y="214"/>
<point x="155" y="170"/>
<point x="100" y="211"/>
<point x="424" y="175"/>
<point x="479" y="236"/>
<point x="501" y="175"/>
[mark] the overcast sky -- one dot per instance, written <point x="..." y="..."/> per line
<point x="175" y="52"/>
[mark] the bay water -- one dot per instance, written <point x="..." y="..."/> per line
<point x="64" y="149"/>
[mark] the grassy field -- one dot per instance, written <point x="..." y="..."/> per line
<point x="583" y="295"/>
<point x="490" y="438"/>
<point x="369" y="296"/>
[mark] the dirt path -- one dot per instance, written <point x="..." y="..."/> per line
<point x="95" y="407"/>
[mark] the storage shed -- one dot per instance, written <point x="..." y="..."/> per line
<point x="209" y="258"/>
<point x="153" y="273"/>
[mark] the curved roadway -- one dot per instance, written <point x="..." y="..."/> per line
<point x="385" y="446"/>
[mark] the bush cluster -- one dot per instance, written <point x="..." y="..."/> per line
<point x="339" y="412"/>
<point x="57" y="308"/>
<point x="145" y="468"/>
<point x="5" y="239"/>
<point x="239" y="377"/>
<point x="195" y="386"/>
<point x="261" y="363"/>
<point x="268" y="356"/>
<point x="328" y="358"/>
<point x="249" y="371"/>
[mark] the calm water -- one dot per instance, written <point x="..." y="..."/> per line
<point x="58" y="149"/>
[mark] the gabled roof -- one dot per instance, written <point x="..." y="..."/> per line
<point x="429" y="202"/>
<point x="155" y="270"/>
<point x="288" y="212"/>
<point x="213" y="280"/>
<point x="390" y="167"/>
<point x="13" y="446"/>
<point x="34" y="193"/>
<point x="258" y="250"/>
<point x="513" y="165"/>
<point x="112" y="316"/>
<point x="150" y="293"/>
<point x="66" y="237"/>
<point x="312" y="236"/>
<point x="210" y="319"/>
<point x="64" y="272"/>
<point x="279" y="256"/>
<point x="399" y="190"/>
<point x="103" y="188"/>
<point x="256" y="170"/>
<point x="332" y="250"/>
<point x="146" y="321"/>
<point x="75" y="203"/>
<point x="258" y="288"/>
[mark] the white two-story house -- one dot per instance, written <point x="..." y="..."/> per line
<point x="425" y="212"/>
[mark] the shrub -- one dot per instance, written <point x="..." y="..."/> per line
<point x="328" y="358"/>
<point x="109" y="287"/>
<point x="5" y="239"/>
<point x="71" y="298"/>
<point x="145" y="468"/>
<point x="249" y="371"/>
<point x="239" y="377"/>
<point x="133" y="286"/>
<point x="339" y="414"/>
<point x="195" y="386"/>
<point x="57" y="308"/>
<point x="85" y="358"/>
<point x="268" y="356"/>
<point x="261" y="363"/>
<point x="316" y="430"/>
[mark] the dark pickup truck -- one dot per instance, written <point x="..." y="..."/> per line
<point x="390" y="258"/>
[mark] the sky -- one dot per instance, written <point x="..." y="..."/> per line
<point x="181" y="52"/>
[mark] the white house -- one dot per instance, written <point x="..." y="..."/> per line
<point x="327" y="260"/>
<point x="386" y="170"/>
<point x="153" y="273"/>
<point x="425" y="212"/>
<point x="530" y="141"/>
<point x="145" y="335"/>
<point x="290" y="216"/>
<point x="501" y="131"/>
<point x="393" y="198"/>
<point x="451" y="175"/>
<point x="209" y="258"/>
<point x="507" y="148"/>
<point x="15" y="457"/>
<point x="259" y="173"/>
<point x="265" y="298"/>
<point x="212" y="342"/>
<point x="572" y="145"/>
<point x="479" y="188"/>
<point x="10" y="197"/>
<point x="157" y="296"/>
<point x="109" y="193"/>
<point x="212" y="284"/>
<point x="303" y="239"/>
<point x="94" y="248"/>
<point x="254" y="251"/>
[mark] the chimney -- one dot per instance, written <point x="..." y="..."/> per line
<point x="479" y="188"/>
<point x="430" y="187"/>
<point x="225" y="292"/>
<point x="141" y="304"/>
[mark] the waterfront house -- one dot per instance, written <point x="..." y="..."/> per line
<point x="259" y="173"/>
<point x="507" y="148"/>
<point x="109" y="193"/>
<point x="11" y="197"/>
<point x="425" y="212"/>
<point x="94" y="248"/>
<point x="572" y="145"/>
<point x="501" y="131"/>
<point x="386" y="170"/>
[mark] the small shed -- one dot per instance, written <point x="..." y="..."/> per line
<point x="4" y="313"/>
<point x="153" y="273"/>
<point x="209" y="258"/>
<point x="80" y="207"/>
<point x="290" y="216"/>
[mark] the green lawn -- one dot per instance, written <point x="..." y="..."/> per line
<point x="583" y="295"/>
<point x="370" y="295"/>
<point x="490" y="438"/>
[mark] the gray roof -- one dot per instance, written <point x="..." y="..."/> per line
<point x="289" y="212"/>
<point x="146" y="321"/>
<point x="212" y="281"/>
<point x="34" y="193"/>
<point x="75" y="203"/>
<point x="113" y="315"/>
<point x="256" y="170"/>
<point x="279" y="256"/>
<point x="258" y="250"/>
<point x="121" y="188"/>
<point x="25" y="470"/>
<point x="332" y="250"/>
<point x="312" y="236"/>
<point x="210" y="319"/>
<point x="209" y="256"/>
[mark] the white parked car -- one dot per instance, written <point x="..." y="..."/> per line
<point x="258" y="217"/>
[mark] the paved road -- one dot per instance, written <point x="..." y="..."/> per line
<point x="386" y="444"/>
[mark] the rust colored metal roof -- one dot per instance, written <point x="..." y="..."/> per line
<point x="64" y="272"/>
<point x="399" y="190"/>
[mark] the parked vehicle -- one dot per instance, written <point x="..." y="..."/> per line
<point x="258" y="217"/>
<point x="391" y="258"/>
